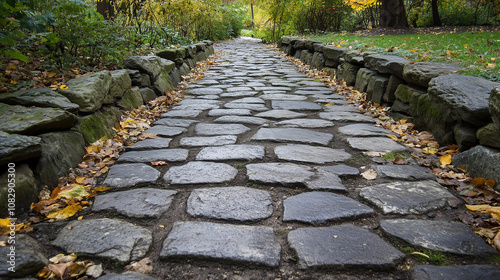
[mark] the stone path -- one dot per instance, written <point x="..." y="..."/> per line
<point x="263" y="182"/>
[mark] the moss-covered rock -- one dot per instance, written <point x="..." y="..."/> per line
<point x="465" y="136"/>
<point x="392" y="85"/>
<point x="146" y="64"/>
<point x="350" y="72"/>
<point x="376" y="88"/>
<point x="31" y="121"/>
<point x="60" y="152"/>
<point x="99" y="124"/>
<point x="494" y="105"/>
<point x="132" y="99"/>
<point x="15" y="147"/>
<point x="147" y="94"/>
<point x="88" y="91"/>
<point x="421" y="73"/>
<point x="25" y="187"/>
<point x="120" y="83"/>
<point x="39" y="97"/>
<point x="163" y="83"/>
<point x="362" y="79"/>
<point x="386" y="64"/>
<point x="172" y="54"/>
<point x="318" y="60"/>
<point x="489" y="135"/>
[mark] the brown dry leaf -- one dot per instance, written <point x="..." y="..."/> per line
<point x="142" y="266"/>
<point x="65" y="213"/>
<point x="94" y="271"/>
<point x="445" y="160"/>
<point x="490" y="183"/>
<point x="429" y="150"/>
<point x="496" y="241"/>
<point x="478" y="181"/>
<point x="159" y="163"/>
<point x="486" y="232"/>
<point x="61" y="258"/>
<point x="369" y="174"/>
<point x="58" y="269"/>
<point x="393" y="137"/>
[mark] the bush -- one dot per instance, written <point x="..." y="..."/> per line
<point x="325" y="15"/>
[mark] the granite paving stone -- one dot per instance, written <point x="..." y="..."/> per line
<point x="339" y="108"/>
<point x="305" y="123"/>
<point x="345" y="116"/>
<point x="105" y="238"/>
<point x="154" y="155"/>
<point x="444" y="236"/>
<point x="200" y="172"/>
<point x="175" y="122"/>
<point x="229" y="112"/>
<point x="321" y="207"/>
<point x="149" y="144"/>
<point x="375" y="144"/>
<point x="168" y="131"/>
<point x="342" y="246"/>
<point x="241" y="119"/>
<point x="205" y="90"/>
<point x="294" y="105"/>
<point x="311" y="154"/>
<point x="220" y="129"/>
<point x="341" y="170"/>
<point x="230" y="203"/>
<point x="130" y="175"/>
<point x="456" y="272"/>
<point x="282" y="96"/>
<point x="280" y="114"/>
<point x="208" y="141"/>
<point x="325" y="180"/>
<point x="361" y="129"/>
<point x="129" y="275"/>
<point x="404" y="172"/>
<point x="231" y="152"/>
<point x="137" y="203"/>
<point x="181" y="114"/>
<point x="293" y="135"/>
<point x="239" y="243"/>
<point x="287" y="174"/>
<point x="407" y="197"/>
<point x="253" y="100"/>
<point x="250" y="106"/>
<point x="239" y="94"/>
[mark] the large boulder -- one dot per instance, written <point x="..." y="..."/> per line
<point x="362" y="79"/>
<point x="26" y="190"/>
<point x="32" y="121"/>
<point x="120" y="84"/>
<point x="167" y="65"/>
<point x="139" y="79"/>
<point x="349" y="73"/>
<point x="386" y="64"/>
<point x="88" y="91"/>
<point x="99" y="124"/>
<point x="184" y="69"/>
<point x="146" y="64"/>
<point x="163" y="83"/>
<point x="376" y="88"/>
<point x="465" y="98"/>
<point x="392" y="85"/>
<point x="132" y="99"/>
<point x="60" y="152"/>
<point x="172" y="54"/>
<point x="354" y="57"/>
<point x="334" y="53"/>
<point x="28" y="258"/>
<point x="489" y="135"/>
<point x="494" y="105"/>
<point x="482" y="162"/>
<point x="318" y="60"/>
<point x="421" y="73"/>
<point x="39" y="97"/>
<point x="176" y="76"/>
<point x="15" y="147"/>
<point x="147" y="94"/>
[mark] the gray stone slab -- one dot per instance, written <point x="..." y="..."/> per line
<point x="280" y="114"/>
<point x="233" y="89"/>
<point x="149" y="144"/>
<point x="283" y="96"/>
<point x="208" y="141"/>
<point x="272" y="88"/>
<point x="162" y="130"/>
<point x="196" y="105"/>
<point x="198" y="172"/>
<point x="324" y="180"/>
<point x="15" y="147"/>
<point x="138" y="203"/>
<point x="363" y="129"/>
<point x="230" y="203"/>
<point x="249" y="106"/>
<point x="311" y="154"/>
<point x="313" y="91"/>
<point x="375" y="144"/>
<point x="456" y="272"/>
<point x="130" y="175"/>
<point x="175" y="122"/>
<point x="249" y="244"/>
<point x="129" y="275"/>
<point x="105" y="238"/>
<point x="229" y="112"/>
<point x="181" y="114"/>
<point x="407" y="197"/>
<point x="339" y="108"/>
<point x="231" y="152"/>
<point x="205" y="91"/>
<point x="239" y="94"/>
<point x="321" y="207"/>
<point x="254" y="100"/>
<point x="154" y="155"/>
<point x="450" y="237"/>
<point x="279" y="173"/>
<point x="343" y="246"/>
<point x="404" y="172"/>
<point x="241" y="119"/>
<point x="220" y="129"/>
<point x="305" y="123"/>
<point x="295" y="105"/>
<point x="28" y="257"/>
<point x="341" y="170"/>
<point x="344" y="116"/>
<point x="293" y="135"/>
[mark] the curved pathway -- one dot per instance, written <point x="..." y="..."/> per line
<point x="263" y="182"/>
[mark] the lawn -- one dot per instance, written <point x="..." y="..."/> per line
<point x="478" y="52"/>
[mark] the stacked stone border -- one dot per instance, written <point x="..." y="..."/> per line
<point x="45" y="132"/>
<point x="456" y="108"/>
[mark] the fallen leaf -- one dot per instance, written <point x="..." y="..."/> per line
<point x="142" y="266"/>
<point x="420" y="254"/>
<point x="478" y="181"/>
<point x="65" y="213"/>
<point x="369" y="174"/>
<point x="429" y="150"/>
<point x="61" y="258"/>
<point x="58" y="269"/>
<point x="78" y="191"/>
<point x="445" y="160"/>
<point x="159" y="163"/>
<point x="496" y="241"/>
<point x="94" y="271"/>
<point x="101" y="189"/>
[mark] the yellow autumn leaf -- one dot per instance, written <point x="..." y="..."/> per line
<point x="393" y="137"/>
<point x="330" y="103"/>
<point x="429" y="150"/>
<point x="481" y="207"/>
<point x="78" y="191"/>
<point x="63" y="87"/>
<point x="445" y="160"/>
<point x="51" y="74"/>
<point x="101" y="189"/>
<point x="414" y="50"/>
<point x="65" y="213"/>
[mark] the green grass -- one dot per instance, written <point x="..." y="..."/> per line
<point x="478" y="52"/>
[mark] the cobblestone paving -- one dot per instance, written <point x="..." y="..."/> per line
<point x="263" y="182"/>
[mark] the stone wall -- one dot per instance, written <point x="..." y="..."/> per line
<point x="45" y="132"/>
<point x="456" y="108"/>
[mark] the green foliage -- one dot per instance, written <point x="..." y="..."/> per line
<point x="316" y="16"/>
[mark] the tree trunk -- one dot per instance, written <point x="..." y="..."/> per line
<point x="253" y="21"/>
<point x="393" y="14"/>
<point x="106" y="9"/>
<point x="435" y="13"/>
